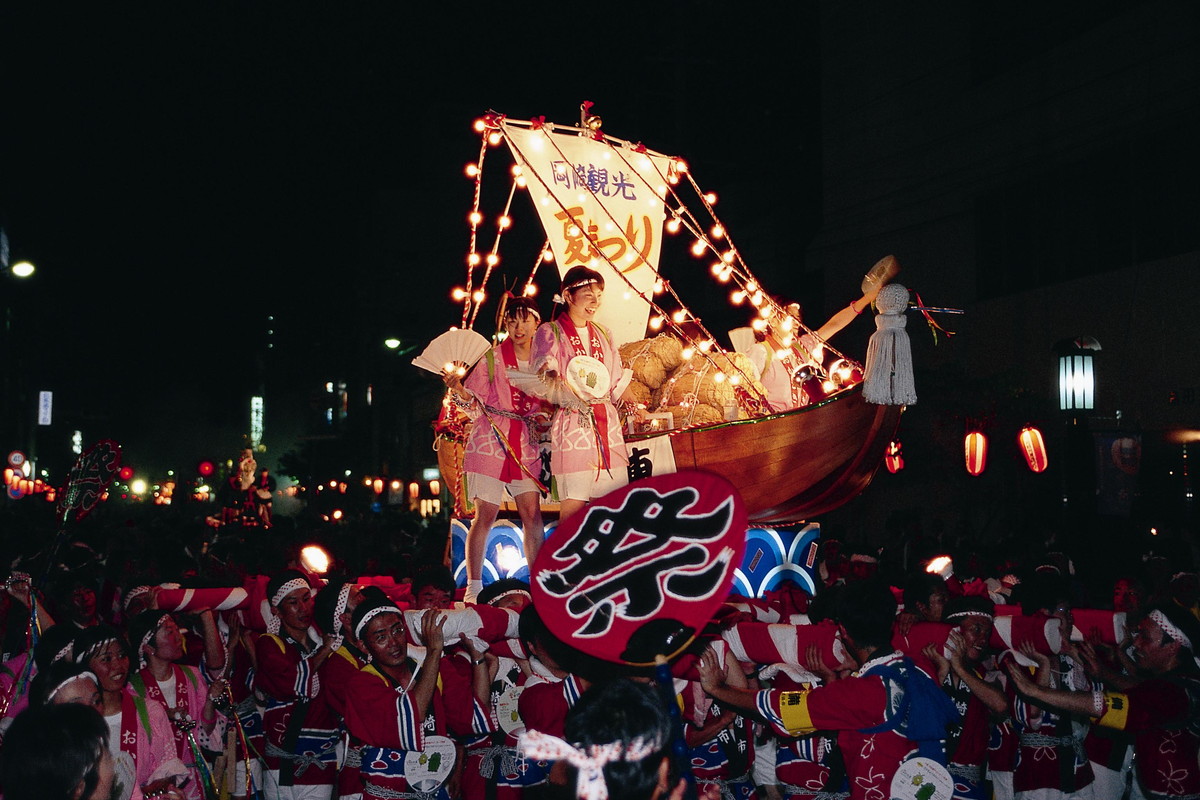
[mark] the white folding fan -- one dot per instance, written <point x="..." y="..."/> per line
<point x="456" y="350"/>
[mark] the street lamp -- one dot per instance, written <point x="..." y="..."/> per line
<point x="1076" y="373"/>
<point x="22" y="269"/>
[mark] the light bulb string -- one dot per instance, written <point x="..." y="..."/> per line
<point x="494" y="257"/>
<point x="483" y="145"/>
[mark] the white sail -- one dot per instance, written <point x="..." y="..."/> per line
<point x="601" y="206"/>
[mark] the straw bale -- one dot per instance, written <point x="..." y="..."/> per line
<point x="646" y="366"/>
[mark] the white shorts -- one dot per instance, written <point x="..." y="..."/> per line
<point x="491" y="490"/>
<point x="589" y="484"/>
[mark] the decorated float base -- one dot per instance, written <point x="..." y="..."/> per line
<point x="773" y="556"/>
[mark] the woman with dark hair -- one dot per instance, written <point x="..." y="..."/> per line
<point x="587" y="449"/>
<point x="140" y="736"/>
<point x="65" y="682"/>
<point x="503" y="453"/>
<point x="57" y="752"/>
<point x="181" y="691"/>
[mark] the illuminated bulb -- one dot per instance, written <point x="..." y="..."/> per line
<point x="472" y="170"/>
<point x="756" y="300"/>
<point x="788" y="323"/>
<point x="573" y="231"/>
<point x="737" y="297"/>
<point x="818" y="352"/>
<point x="725" y="275"/>
<point x="530" y="290"/>
<point x="516" y="170"/>
<point x="479" y="126"/>
<point x="474" y="218"/>
<point x="547" y="255"/>
<point x="787" y="340"/>
<point x="478" y="296"/>
<point x="710" y="198"/>
<point x="673" y="225"/>
<point x="751" y="286"/>
<point x="459" y="293"/>
<point x="719" y="377"/>
<point x="681" y="165"/>
<point x="679" y="316"/>
<point x="698" y="248"/>
<point x="828" y="386"/>
<point x="728" y="257"/>
<point x="473" y="259"/>
<point x="759" y="324"/>
<point x="687" y="353"/>
<point x="521" y="182"/>
<point x="764" y="311"/>
<point x="656" y="323"/>
<point x="718" y="231"/>
<point x="493" y="259"/>
<point x="734" y="380"/>
<point x="781" y="353"/>
<point x="717" y="268"/>
<point x="447" y="368"/>
<point x="659" y="286"/>
<point x="494" y="138"/>
<point x="504" y="222"/>
<point x="706" y="345"/>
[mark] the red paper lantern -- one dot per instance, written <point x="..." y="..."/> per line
<point x="1033" y="445"/>
<point x="893" y="459"/>
<point x="976" y="447"/>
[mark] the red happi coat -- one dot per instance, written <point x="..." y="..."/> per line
<point x="300" y="729"/>
<point x="544" y="703"/>
<point x="382" y="722"/>
<point x="1046" y="758"/>
<point x="1163" y="714"/>
<point x="859" y="702"/>
<point x="336" y="675"/>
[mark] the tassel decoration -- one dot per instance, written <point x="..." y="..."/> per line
<point x="889" y="370"/>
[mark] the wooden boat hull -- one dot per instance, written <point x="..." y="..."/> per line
<point x="798" y="464"/>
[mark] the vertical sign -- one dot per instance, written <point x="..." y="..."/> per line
<point x="45" y="407"/>
<point x="256" y="421"/>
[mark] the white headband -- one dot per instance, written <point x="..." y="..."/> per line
<point x="339" y="608"/>
<point x="146" y="640"/>
<point x="972" y="613"/>
<point x="502" y="595"/>
<point x="1160" y="619"/>
<point x="589" y="761"/>
<point x="288" y="588"/>
<point x="72" y="679"/>
<point x="133" y="594"/>
<point x="370" y="615"/>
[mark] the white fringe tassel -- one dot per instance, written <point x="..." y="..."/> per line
<point x="889" y="371"/>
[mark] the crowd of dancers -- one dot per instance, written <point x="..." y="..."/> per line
<point x="344" y="689"/>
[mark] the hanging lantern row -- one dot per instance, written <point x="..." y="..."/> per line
<point x="1030" y="439"/>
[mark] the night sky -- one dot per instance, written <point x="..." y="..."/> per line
<point x="178" y="172"/>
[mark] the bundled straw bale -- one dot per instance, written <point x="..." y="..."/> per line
<point x="647" y="367"/>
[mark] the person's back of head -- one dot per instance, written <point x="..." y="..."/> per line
<point x="56" y="752"/>
<point x="867" y="611"/>
<point x="627" y="720"/>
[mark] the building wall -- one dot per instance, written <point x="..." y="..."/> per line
<point x="1036" y="166"/>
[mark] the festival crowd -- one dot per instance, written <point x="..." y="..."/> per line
<point x="953" y="678"/>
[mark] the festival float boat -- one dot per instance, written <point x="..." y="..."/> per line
<point x="609" y="203"/>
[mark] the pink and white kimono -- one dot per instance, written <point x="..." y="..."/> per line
<point x="507" y="413"/>
<point x="585" y="441"/>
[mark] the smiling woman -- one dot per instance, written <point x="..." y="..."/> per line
<point x="140" y="737"/>
<point x="587" y="449"/>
